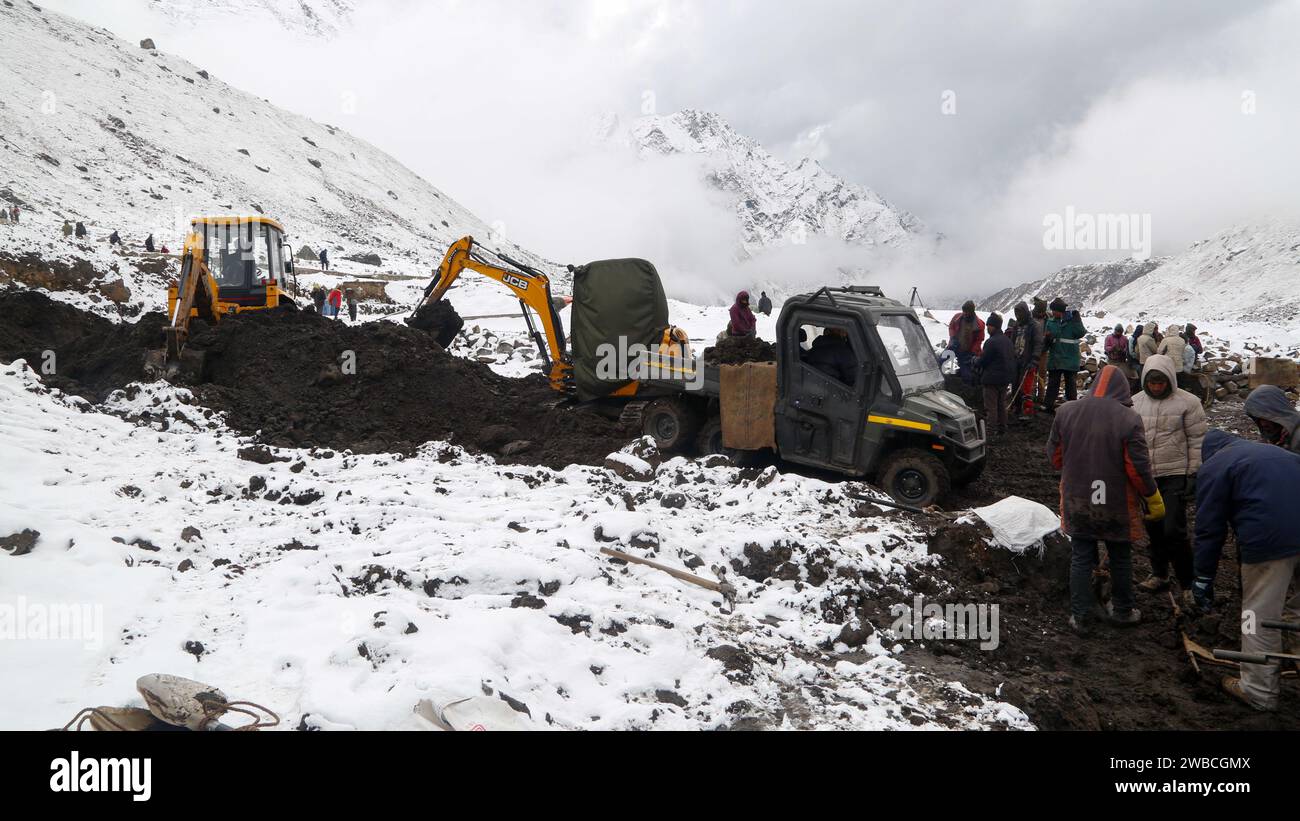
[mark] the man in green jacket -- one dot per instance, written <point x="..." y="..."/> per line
<point x="1064" y="333"/>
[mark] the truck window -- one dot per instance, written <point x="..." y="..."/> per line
<point x="830" y="349"/>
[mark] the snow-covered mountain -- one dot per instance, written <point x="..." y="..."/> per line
<point x="1082" y="286"/>
<point x="320" y="18"/>
<point x="1246" y="274"/>
<point x="776" y="204"/>
<point x="99" y="130"/>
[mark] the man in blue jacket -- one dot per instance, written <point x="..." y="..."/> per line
<point x="1251" y="487"/>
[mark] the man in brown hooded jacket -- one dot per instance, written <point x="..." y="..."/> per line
<point x="1098" y="445"/>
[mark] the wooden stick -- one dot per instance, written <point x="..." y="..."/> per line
<point x="672" y="571"/>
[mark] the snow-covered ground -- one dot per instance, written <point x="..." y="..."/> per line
<point x="338" y="590"/>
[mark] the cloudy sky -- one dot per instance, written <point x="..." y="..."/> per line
<point x="1185" y="110"/>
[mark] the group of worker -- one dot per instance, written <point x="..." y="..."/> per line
<point x="329" y="303"/>
<point x="10" y="214"/>
<point x="1033" y="356"/>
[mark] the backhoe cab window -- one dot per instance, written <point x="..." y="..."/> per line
<point x="830" y="350"/>
<point x="239" y="255"/>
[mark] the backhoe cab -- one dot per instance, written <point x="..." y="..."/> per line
<point x="228" y="265"/>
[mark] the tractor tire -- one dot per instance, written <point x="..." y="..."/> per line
<point x="671" y="423"/>
<point x="287" y="305"/>
<point x="914" y="477"/>
<point x="709" y="440"/>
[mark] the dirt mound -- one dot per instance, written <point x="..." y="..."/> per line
<point x="92" y="356"/>
<point x="439" y="319"/>
<point x="295" y="379"/>
<point x="737" y="350"/>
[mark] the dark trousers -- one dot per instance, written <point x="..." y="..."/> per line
<point x="995" y="407"/>
<point x="1169" y="544"/>
<point x="1054" y="387"/>
<point x="966" y="367"/>
<point x="1083" y="561"/>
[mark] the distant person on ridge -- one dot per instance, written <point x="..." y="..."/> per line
<point x="966" y="340"/>
<point x="764" y="304"/>
<point x="67" y="229"/>
<point x="148" y="244"/>
<point x="324" y="260"/>
<point x="81" y="230"/>
<point x="114" y="239"/>
<point x="13" y="214"/>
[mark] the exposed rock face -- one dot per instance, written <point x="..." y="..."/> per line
<point x="1082" y="286"/>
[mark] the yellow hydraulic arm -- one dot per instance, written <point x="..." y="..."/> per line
<point x="531" y="287"/>
<point x="196" y="291"/>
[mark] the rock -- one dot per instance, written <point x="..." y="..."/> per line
<point x="314" y="162"/>
<point x="669" y="697"/>
<point x="365" y="259"/>
<point x="673" y="500"/>
<point x="256" y="484"/>
<point x="147" y="44"/>
<point x="204" y="74"/>
<point x="528" y="600"/>
<point x="116" y="291"/>
<point x="516" y="447"/>
<point x="259" y="454"/>
<point x="21" y="543"/>
<point x="185" y="566"/>
<point x="190" y="533"/>
<point x="629" y="467"/>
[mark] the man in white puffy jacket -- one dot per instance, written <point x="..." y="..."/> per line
<point x="1172" y="346"/>
<point x="1174" y="423"/>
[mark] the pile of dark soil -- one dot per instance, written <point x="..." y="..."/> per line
<point x="295" y="379"/>
<point x="439" y="320"/>
<point x="92" y="356"/>
<point x="737" y="350"/>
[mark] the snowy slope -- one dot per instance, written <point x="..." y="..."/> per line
<point x="775" y="203"/>
<point x="317" y="18"/>
<point x="99" y="130"/>
<point x="1082" y="286"/>
<point x="386" y="580"/>
<point x="1248" y="274"/>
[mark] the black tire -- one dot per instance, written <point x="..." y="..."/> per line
<point x="286" y="304"/>
<point x="914" y="477"/>
<point x="671" y="423"/>
<point x="965" y="474"/>
<point x="709" y="440"/>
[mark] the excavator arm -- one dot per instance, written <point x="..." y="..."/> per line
<point x="195" y="292"/>
<point x="531" y="287"/>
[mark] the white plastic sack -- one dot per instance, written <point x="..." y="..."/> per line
<point x="475" y="713"/>
<point x="1018" y="523"/>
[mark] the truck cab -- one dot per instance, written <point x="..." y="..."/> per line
<point x="859" y="391"/>
<point x="856" y="389"/>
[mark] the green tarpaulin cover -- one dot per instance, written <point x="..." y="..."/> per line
<point x="616" y="303"/>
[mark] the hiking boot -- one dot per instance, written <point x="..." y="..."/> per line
<point x="1154" y="583"/>
<point x="1232" y="686"/>
<point x="1128" y="619"/>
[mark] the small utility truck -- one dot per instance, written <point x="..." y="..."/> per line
<point x="882" y="413"/>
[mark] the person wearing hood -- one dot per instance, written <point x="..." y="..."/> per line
<point x="81" y="230"/>
<point x="1064" y="333"/>
<point x="114" y="239"/>
<point x="1173" y="422"/>
<point x="1277" y="419"/>
<point x="1029" y="346"/>
<point x="1251" y="486"/>
<point x="997" y="364"/>
<point x="67" y="229"/>
<point x="1189" y="333"/>
<point x="966" y="340"/>
<point x="1173" y="345"/>
<point x="764" y="303"/>
<point x="1146" y="343"/>
<point x="1099" y="447"/>
<point x="742" y="321"/>
<point x="148" y="243"/>
<point x="1117" y="346"/>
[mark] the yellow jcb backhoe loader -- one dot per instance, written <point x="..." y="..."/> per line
<point x="228" y="265"/>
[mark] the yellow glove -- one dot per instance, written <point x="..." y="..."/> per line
<point x="1155" y="507"/>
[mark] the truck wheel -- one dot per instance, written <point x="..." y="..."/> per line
<point x="671" y="423"/>
<point x="914" y="477"/>
<point x="709" y="441"/>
